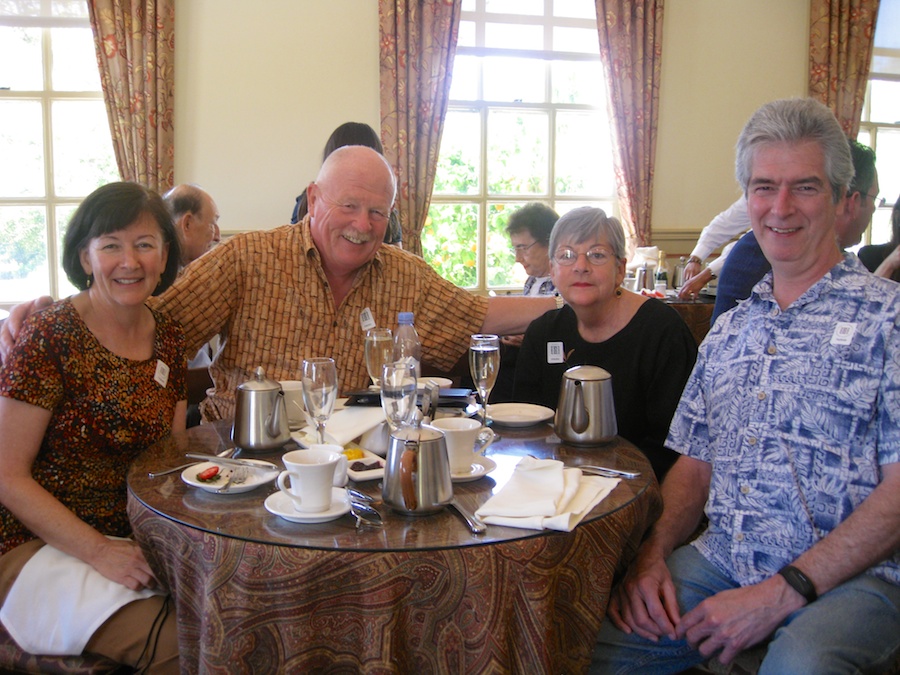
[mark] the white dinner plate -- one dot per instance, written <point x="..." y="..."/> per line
<point x="481" y="466"/>
<point x="280" y="504"/>
<point x="371" y="474"/>
<point x="255" y="477"/>
<point x="441" y="382"/>
<point x="519" y="414"/>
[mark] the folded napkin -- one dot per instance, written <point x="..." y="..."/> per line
<point x="542" y="494"/>
<point x="57" y="603"/>
<point x="344" y="425"/>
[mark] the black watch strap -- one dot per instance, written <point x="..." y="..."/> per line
<point x="799" y="582"/>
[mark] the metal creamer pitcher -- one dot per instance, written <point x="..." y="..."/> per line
<point x="260" y="417"/>
<point x="417" y="471"/>
<point x="586" y="413"/>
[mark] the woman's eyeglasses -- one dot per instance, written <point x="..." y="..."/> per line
<point x="566" y="256"/>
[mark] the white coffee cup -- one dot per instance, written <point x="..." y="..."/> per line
<point x="340" y="469"/>
<point x="464" y="438"/>
<point x="293" y="403"/>
<point x="311" y="474"/>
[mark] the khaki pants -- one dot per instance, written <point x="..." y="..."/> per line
<point x="142" y="634"/>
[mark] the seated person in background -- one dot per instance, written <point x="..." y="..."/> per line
<point x="640" y="341"/>
<point x="529" y="230"/>
<point x="92" y="381"/>
<point x="353" y="133"/>
<point x="746" y="264"/>
<point x="883" y="260"/>
<point x="790" y="444"/>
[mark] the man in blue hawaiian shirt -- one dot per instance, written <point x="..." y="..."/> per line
<point x="789" y="430"/>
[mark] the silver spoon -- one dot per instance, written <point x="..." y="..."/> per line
<point x="365" y="515"/>
<point x="155" y="474"/>
<point x="476" y="526"/>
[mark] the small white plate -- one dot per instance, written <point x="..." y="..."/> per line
<point x="442" y="382"/>
<point x="306" y="437"/>
<point x="281" y="505"/>
<point x="371" y="474"/>
<point x="480" y="467"/>
<point x="255" y="477"/>
<point x="519" y="414"/>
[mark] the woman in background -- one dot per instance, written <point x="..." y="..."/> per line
<point x="644" y="344"/>
<point x="884" y="259"/>
<point x="92" y="381"/>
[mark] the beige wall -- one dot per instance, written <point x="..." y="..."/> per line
<point x="248" y="130"/>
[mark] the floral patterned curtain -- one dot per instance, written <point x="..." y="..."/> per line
<point x="418" y="43"/>
<point x="135" y="42"/>
<point x="841" y="38"/>
<point x="631" y="48"/>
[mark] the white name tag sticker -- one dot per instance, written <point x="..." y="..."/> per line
<point x="843" y="333"/>
<point x="555" y="352"/>
<point x="162" y="374"/>
<point x="366" y="320"/>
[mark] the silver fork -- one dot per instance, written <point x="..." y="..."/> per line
<point x="238" y="476"/>
<point x="156" y="474"/>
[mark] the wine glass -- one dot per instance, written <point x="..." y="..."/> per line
<point x="320" y="388"/>
<point x="379" y="350"/>
<point x="484" y="364"/>
<point x="398" y="392"/>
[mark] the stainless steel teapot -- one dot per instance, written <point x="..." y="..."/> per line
<point x="586" y="414"/>
<point x="260" y="416"/>
<point x="417" y="471"/>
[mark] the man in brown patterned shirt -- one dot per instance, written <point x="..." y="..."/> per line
<point x="298" y="291"/>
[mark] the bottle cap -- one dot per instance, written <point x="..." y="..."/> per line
<point x="405" y="317"/>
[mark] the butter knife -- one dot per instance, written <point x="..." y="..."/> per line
<point x="607" y="472"/>
<point x="229" y="461"/>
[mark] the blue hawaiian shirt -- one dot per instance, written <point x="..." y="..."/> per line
<point x="796" y="411"/>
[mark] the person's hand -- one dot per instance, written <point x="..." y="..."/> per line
<point x="512" y="340"/>
<point x="889" y="265"/>
<point x="122" y="561"/>
<point x="9" y="331"/>
<point x="691" y="270"/>
<point x="734" y="620"/>
<point x="691" y="288"/>
<point x="645" y="602"/>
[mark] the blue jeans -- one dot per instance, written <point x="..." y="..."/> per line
<point x="851" y="629"/>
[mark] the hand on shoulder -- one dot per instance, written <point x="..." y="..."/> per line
<point x="9" y="331"/>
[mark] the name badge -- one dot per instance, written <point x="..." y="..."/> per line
<point x="162" y="374"/>
<point x="366" y="320"/>
<point x="843" y="333"/>
<point x="555" y="353"/>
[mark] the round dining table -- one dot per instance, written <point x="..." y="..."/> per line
<point x="255" y="593"/>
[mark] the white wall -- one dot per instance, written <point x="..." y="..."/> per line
<point x="261" y="85"/>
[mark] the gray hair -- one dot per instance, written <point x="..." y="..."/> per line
<point x="793" y="121"/>
<point x="184" y="198"/>
<point x="586" y="223"/>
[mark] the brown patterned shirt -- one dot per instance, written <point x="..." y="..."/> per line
<point x="267" y="294"/>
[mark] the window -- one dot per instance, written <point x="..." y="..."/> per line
<point x="526" y="122"/>
<point x="880" y="126"/>
<point x="55" y="136"/>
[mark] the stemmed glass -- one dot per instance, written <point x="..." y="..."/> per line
<point x="398" y="392"/>
<point x="320" y="388"/>
<point x="484" y="364"/>
<point x="379" y="350"/>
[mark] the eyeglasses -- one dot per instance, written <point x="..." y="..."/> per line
<point x="596" y="256"/>
<point x="521" y="248"/>
<point x="878" y="201"/>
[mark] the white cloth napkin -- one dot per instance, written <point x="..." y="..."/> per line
<point x="57" y="603"/>
<point x="344" y="425"/>
<point x="542" y="494"/>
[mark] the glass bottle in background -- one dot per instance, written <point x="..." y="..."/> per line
<point x="662" y="273"/>
<point x="407" y="347"/>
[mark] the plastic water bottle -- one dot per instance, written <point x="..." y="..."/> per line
<point x="406" y="342"/>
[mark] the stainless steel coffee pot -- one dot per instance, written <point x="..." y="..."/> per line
<point x="417" y="471"/>
<point x="260" y="417"/>
<point x="586" y="414"/>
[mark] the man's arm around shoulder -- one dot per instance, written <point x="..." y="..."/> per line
<point x="13" y="323"/>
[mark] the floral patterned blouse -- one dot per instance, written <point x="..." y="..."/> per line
<point x="106" y="410"/>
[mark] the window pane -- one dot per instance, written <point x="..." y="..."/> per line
<point x="74" y="60"/>
<point x="881" y="226"/>
<point x="502" y="269"/>
<point x="887" y="152"/>
<point x="517" y="153"/>
<point x="531" y="7"/>
<point x="22" y="168"/>
<point x="83" y="158"/>
<point x="464" y="85"/>
<point x="885" y="98"/>
<point x="63" y="216"/>
<point x="578" y="82"/>
<point x="513" y="36"/>
<point x="466" y="35"/>
<point x="585" y="40"/>
<point x="23" y="253"/>
<point x="576" y="9"/>
<point x="20" y="59"/>
<point x="580" y="139"/>
<point x="457" y="171"/>
<point x="510" y="79"/>
<point x="20" y="7"/>
<point x="71" y="8"/>
<point x="450" y="242"/>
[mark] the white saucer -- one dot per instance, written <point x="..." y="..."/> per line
<point x="519" y="414"/>
<point x="255" y="477"/>
<point x="480" y="467"/>
<point x="441" y="382"/>
<point x="280" y="504"/>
